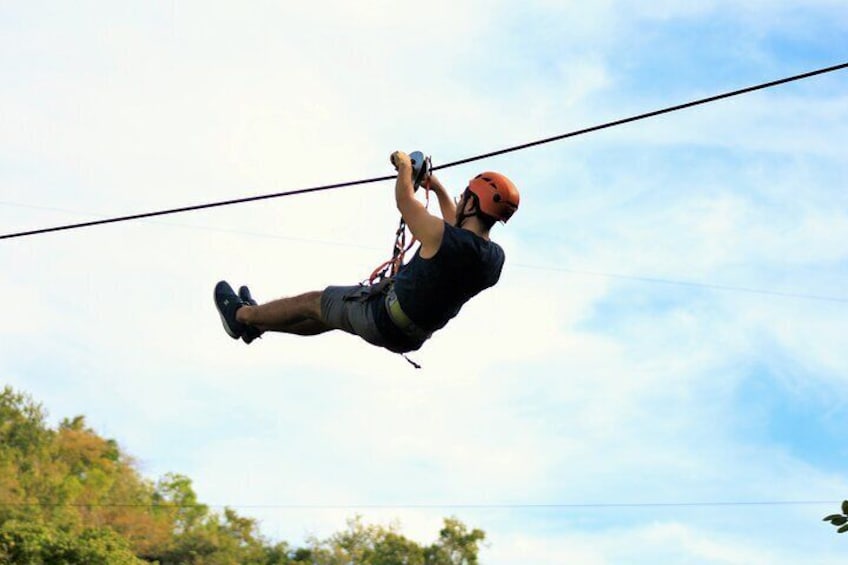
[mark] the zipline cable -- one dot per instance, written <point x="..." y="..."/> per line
<point x="196" y="207"/>
<point x="445" y="166"/>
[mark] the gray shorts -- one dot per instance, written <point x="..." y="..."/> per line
<point x="351" y="309"/>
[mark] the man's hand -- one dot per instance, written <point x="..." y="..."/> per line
<point x="401" y="162"/>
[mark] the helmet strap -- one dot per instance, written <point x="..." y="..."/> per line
<point x="461" y="216"/>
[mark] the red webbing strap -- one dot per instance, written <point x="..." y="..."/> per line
<point x="391" y="267"/>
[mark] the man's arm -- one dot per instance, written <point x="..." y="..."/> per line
<point x="446" y="203"/>
<point x="427" y="228"/>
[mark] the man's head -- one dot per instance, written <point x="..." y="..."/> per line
<point x="495" y="198"/>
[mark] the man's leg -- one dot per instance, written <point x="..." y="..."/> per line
<point x="347" y="308"/>
<point x="299" y="315"/>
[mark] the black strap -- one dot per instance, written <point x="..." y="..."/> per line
<point x="410" y="361"/>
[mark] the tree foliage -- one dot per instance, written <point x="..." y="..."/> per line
<point x="69" y="496"/>
<point x="36" y="544"/>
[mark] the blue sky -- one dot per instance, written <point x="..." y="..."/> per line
<point x="669" y="327"/>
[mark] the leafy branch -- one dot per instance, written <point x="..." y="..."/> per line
<point x="839" y="520"/>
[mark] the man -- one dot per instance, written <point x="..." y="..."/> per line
<point x="455" y="261"/>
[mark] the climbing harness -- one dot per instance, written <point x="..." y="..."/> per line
<point x="401" y="319"/>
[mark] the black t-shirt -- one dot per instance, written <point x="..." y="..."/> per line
<point x="432" y="291"/>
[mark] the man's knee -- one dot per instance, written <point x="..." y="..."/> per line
<point x="313" y="303"/>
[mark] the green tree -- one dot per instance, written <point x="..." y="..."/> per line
<point x="175" y="495"/>
<point x="378" y="545"/>
<point x="395" y="549"/>
<point x="69" y="496"/>
<point x="39" y="544"/>
<point x="456" y="545"/>
<point x="24" y="455"/>
<point x="201" y="537"/>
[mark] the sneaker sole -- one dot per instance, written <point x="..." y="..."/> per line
<point x="227" y="327"/>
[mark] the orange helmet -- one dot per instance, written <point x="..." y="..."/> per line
<point x="497" y="196"/>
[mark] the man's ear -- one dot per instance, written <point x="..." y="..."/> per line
<point x="471" y="205"/>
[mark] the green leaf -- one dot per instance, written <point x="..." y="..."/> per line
<point x="845" y="506"/>
<point x="843" y="529"/>
<point x="831" y="517"/>
<point x="839" y="520"/>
